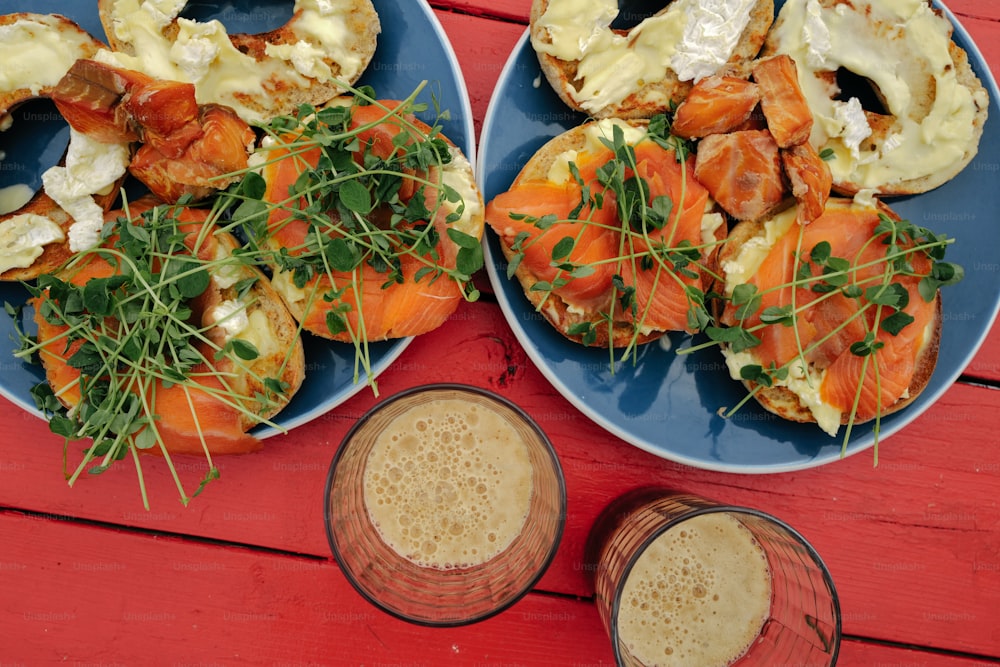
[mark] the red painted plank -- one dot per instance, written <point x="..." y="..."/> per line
<point x="883" y="531"/>
<point x="511" y="10"/>
<point x="79" y="594"/>
<point x="483" y="47"/>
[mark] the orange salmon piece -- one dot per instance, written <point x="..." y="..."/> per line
<point x="742" y="172"/>
<point x="829" y="324"/>
<point x="810" y="179"/>
<point x="187" y="413"/>
<point x="788" y="115"/>
<point x="661" y="299"/>
<point x="595" y="245"/>
<point x="715" y="105"/>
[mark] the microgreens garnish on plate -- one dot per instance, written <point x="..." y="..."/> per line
<point x="844" y="328"/>
<point x="133" y="340"/>
<point x="368" y="218"/>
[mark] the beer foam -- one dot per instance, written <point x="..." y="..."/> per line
<point x="698" y="595"/>
<point x="448" y="484"/>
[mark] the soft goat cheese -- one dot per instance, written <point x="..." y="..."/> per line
<point x="23" y="239"/>
<point x="91" y="168"/>
<point x="691" y="37"/>
<point x="710" y="35"/>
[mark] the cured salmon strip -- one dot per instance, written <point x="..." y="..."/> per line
<point x="810" y="178"/>
<point x="596" y="243"/>
<point x="829" y="323"/>
<point x="785" y="107"/>
<point x="714" y="105"/>
<point x="742" y="171"/>
<point x="609" y="249"/>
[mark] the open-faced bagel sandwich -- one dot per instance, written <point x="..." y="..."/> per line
<point x="608" y="232"/>
<point x="895" y="99"/>
<point x="830" y="330"/>
<point x="638" y="72"/>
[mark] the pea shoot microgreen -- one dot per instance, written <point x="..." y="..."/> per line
<point x="877" y="287"/>
<point x="364" y="210"/>
<point x="128" y="331"/>
<point x="646" y="231"/>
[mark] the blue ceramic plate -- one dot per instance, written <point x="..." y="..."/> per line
<point x="668" y="404"/>
<point x="412" y="48"/>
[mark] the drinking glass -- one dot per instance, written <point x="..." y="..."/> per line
<point x="800" y="623"/>
<point x="415" y="588"/>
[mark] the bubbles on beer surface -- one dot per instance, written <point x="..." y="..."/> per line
<point x="698" y="595"/>
<point x="448" y="484"/>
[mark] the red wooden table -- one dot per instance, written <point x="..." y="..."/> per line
<point x="244" y="574"/>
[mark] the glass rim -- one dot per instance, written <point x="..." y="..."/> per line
<point x="718" y="508"/>
<point x="560" y="522"/>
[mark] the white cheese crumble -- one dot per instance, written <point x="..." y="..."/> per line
<point x="710" y="36"/>
<point x="23" y="239"/>
<point x="231" y="317"/>
<point x="855" y="128"/>
<point x="90" y="168"/>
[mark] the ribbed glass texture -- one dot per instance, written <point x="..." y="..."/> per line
<point x="803" y="627"/>
<point x="428" y="595"/>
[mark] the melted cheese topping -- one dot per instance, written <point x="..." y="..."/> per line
<point x="91" y="168"/>
<point x="14" y="196"/>
<point x="909" y="61"/>
<point x="202" y="53"/>
<point x="23" y="239"/>
<point x="691" y="38"/>
<point x="36" y="53"/>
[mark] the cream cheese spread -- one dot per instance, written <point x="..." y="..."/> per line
<point x="202" y="53"/>
<point x="910" y="62"/>
<point x="691" y="38"/>
<point x="36" y="55"/>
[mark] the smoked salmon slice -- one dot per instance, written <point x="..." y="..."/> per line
<point x="829" y="322"/>
<point x="715" y="105"/>
<point x="785" y="107"/>
<point x="742" y="171"/>
<point x="368" y="304"/>
<point x="612" y="267"/>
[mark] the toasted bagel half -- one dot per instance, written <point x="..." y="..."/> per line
<point x="324" y="47"/>
<point x="648" y="69"/>
<point x="823" y="350"/>
<point x="622" y="291"/>
<point x="913" y="115"/>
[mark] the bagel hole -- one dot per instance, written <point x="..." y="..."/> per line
<point x="242" y="16"/>
<point x="863" y="88"/>
<point x="36" y="140"/>
<point x="633" y="12"/>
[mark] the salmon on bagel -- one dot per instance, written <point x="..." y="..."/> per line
<point x="605" y="71"/>
<point x="36" y="51"/>
<point x="609" y="233"/>
<point x="833" y="322"/>
<point x="915" y="116"/>
<point x="324" y="47"/>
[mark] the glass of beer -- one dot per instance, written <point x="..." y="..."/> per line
<point x="683" y="580"/>
<point x="445" y="504"/>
